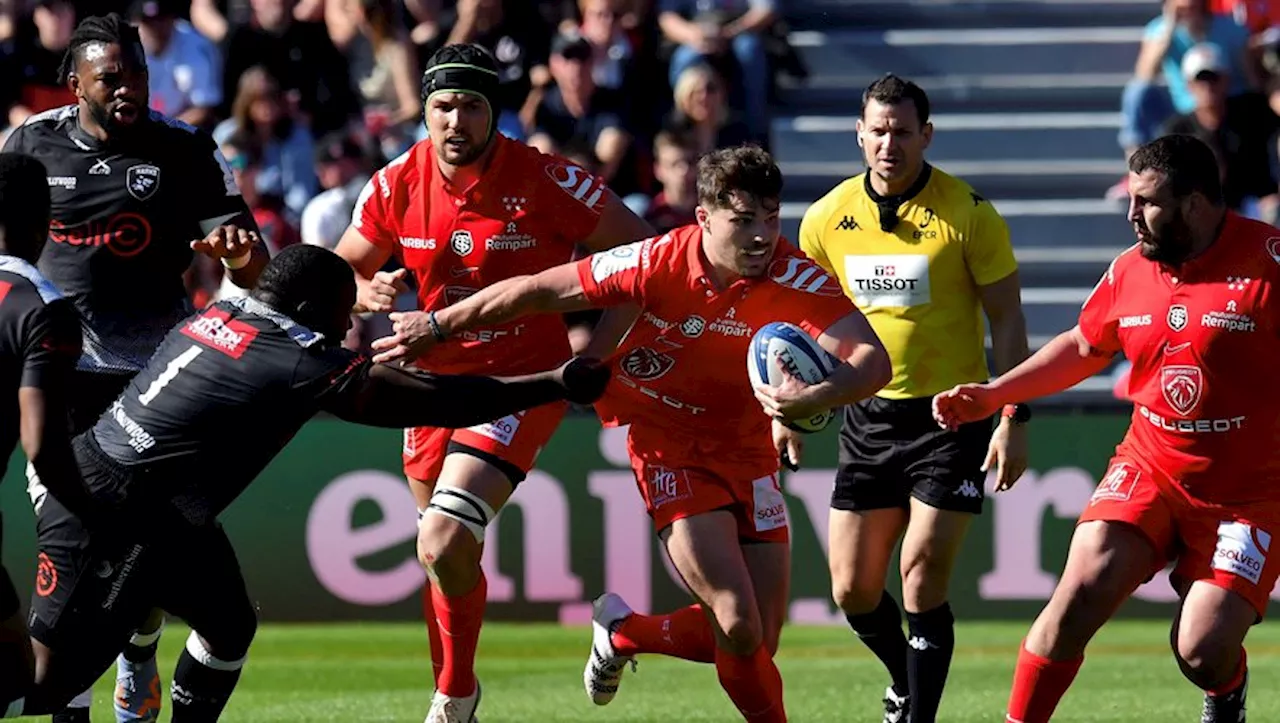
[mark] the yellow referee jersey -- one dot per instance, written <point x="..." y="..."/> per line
<point x="917" y="284"/>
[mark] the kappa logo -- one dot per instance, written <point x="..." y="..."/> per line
<point x="969" y="489"/>
<point x="1182" y="385"/>
<point x="645" y="363"/>
<point x="848" y="223"/>
<point x="918" y="642"/>
<point x="1177" y="317"/>
<point x="461" y="242"/>
<point x="142" y="181"/>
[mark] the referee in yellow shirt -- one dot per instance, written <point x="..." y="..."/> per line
<point x="923" y="256"/>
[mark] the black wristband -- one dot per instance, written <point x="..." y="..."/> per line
<point x="435" y="326"/>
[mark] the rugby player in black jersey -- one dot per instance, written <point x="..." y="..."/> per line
<point x="131" y="189"/>
<point x="39" y="345"/>
<point x="225" y="392"/>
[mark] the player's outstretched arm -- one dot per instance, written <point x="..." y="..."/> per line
<point x="385" y="396"/>
<point x="48" y="365"/>
<point x="556" y="290"/>
<point x="1064" y="362"/>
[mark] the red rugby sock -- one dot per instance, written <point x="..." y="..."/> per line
<point x="753" y="684"/>
<point x="1038" y="685"/>
<point x="459" y="618"/>
<point x="433" y="634"/>
<point x="685" y="633"/>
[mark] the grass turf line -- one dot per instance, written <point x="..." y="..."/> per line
<point x="380" y="672"/>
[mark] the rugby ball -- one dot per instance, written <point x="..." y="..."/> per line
<point x="800" y="354"/>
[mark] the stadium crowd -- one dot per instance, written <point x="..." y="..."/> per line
<point x="306" y="98"/>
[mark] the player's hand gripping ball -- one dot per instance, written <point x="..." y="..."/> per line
<point x="780" y="350"/>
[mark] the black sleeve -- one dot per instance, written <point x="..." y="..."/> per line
<point x="214" y="196"/>
<point x="383" y="396"/>
<point x="17" y="140"/>
<point x="51" y="346"/>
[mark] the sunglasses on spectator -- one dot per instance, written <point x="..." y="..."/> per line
<point x="1208" y="76"/>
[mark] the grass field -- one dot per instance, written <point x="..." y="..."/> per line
<point x="374" y="672"/>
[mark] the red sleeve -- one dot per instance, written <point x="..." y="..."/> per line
<point x="812" y="292"/>
<point x="372" y="215"/>
<point x="576" y="197"/>
<point x="1098" y="321"/>
<point x="615" y="276"/>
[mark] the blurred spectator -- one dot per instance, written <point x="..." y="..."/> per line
<point x="384" y="67"/>
<point x="1239" y="129"/>
<point x="675" y="165"/>
<point x="283" y="144"/>
<point x="612" y="51"/>
<point x="1183" y="24"/>
<point x="701" y="114"/>
<point x="574" y="109"/>
<point x="300" y="56"/>
<point x="343" y="169"/>
<point x="518" y="38"/>
<point x="263" y="192"/>
<point x="715" y="31"/>
<point x="30" y="71"/>
<point x="215" y="18"/>
<point x="185" y="71"/>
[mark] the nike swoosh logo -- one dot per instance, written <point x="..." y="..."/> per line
<point x="1175" y="349"/>
<point x="462" y="271"/>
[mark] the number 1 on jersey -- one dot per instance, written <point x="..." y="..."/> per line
<point x="169" y="373"/>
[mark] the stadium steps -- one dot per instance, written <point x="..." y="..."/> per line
<point x="1025" y="98"/>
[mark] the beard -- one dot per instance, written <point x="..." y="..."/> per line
<point x="102" y="115"/>
<point x="1170" y="244"/>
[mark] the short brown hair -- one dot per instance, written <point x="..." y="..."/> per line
<point x="745" y="169"/>
<point x="671" y="139"/>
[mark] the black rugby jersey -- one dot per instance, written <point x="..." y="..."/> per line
<point x="124" y="215"/>
<point x="230" y="387"/>
<point x="39" y="341"/>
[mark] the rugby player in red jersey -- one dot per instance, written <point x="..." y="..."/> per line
<point x="462" y="210"/>
<point x="1193" y="306"/>
<point x="703" y="454"/>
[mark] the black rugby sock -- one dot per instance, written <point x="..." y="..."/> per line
<point x="933" y="640"/>
<point x="881" y="631"/>
<point x="200" y="692"/>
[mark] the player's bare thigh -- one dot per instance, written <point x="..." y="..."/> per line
<point x="930" y="546"/>
<point x="448" y="548"/>
<point x="1107" y="561"/>
<point x="859" y="549"/>
<point x="705" y="551"/>
<point x="421" y="490"/>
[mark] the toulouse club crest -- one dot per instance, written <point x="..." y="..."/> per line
<point x="1183" y="385"/>
<point x="1177" y="317"/>
<point x="646" y="363"/>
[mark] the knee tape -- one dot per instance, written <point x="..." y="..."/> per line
<point x="35" y="488"/>
<point x="202" y="655"/>
<point x="463" y="507"/>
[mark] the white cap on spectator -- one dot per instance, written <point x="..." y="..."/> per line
<point x="1203" y="58"/>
